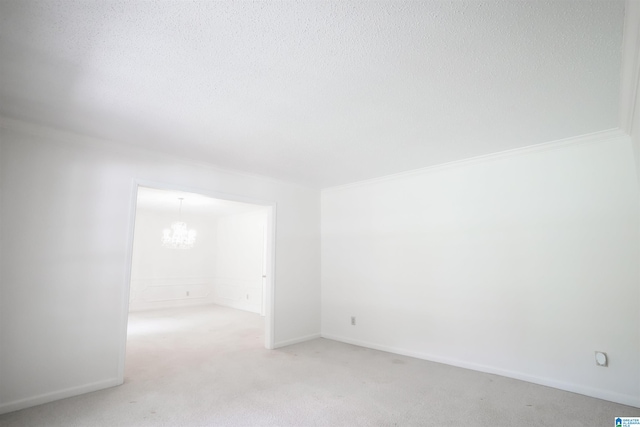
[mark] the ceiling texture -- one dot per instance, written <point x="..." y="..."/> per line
<point x="320" y="93"/>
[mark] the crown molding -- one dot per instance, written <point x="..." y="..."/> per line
<point x="630" y="68"/>
<point x="595" y="137"/>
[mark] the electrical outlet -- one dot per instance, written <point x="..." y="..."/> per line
<point x="247" y="296"/>
<point x="187" y="293"/>
<point x="353" y="320"/>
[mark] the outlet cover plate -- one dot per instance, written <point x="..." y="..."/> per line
<point x="602" y="359"/>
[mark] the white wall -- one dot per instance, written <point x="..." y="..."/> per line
<point x="239" y="260"/>
<point x="66" y="204"/>
<point x="521" y="265"/>
<point x="162" y="277"/>
<point x="224" y="267"/>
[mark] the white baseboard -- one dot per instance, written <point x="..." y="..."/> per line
<point x="237" y="304"/>
<point x="178" y="303"/>
<point x="28" y="402"/>
<point x="285" y="343"/>
<point x="623" y="399"/>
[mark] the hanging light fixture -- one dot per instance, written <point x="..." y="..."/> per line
<point x="178" y="236"/>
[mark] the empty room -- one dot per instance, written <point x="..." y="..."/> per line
<point x="293" y="213"/>
<point x="198" y="279"/>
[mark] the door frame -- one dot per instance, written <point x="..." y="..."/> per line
<point x="270" y="259"/>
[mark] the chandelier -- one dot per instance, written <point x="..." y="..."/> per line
<point x="178" y="236"/>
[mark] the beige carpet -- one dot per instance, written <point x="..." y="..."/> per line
<point x="207" y="366"/>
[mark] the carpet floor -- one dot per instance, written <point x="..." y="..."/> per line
<point x="207" y="366"/>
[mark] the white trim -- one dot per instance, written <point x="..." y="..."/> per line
<point x="298" y="340"/>
<point x="232" y="303"/>
<point x="602" y="136"/>
<point x="28" y="402"/>
<point x="623" y="399"/>
<point x="270" y="283"/>
<point x="630" y="72"/>
<point x="630" y="81"/>
<point x="126" y="286"/>
<point x="271" y="254"/>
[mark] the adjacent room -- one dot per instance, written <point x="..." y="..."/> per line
<point x="198" y="280"/>
<point x="190" y="249"/>
<point x="319" y="213"/>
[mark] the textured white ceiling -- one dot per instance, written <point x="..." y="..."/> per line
<point x="320" y="93"/>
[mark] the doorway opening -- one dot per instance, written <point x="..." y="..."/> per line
<point x="222" y="273"/>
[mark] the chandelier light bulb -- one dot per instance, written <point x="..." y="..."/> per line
<point x="178" y="236"/>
